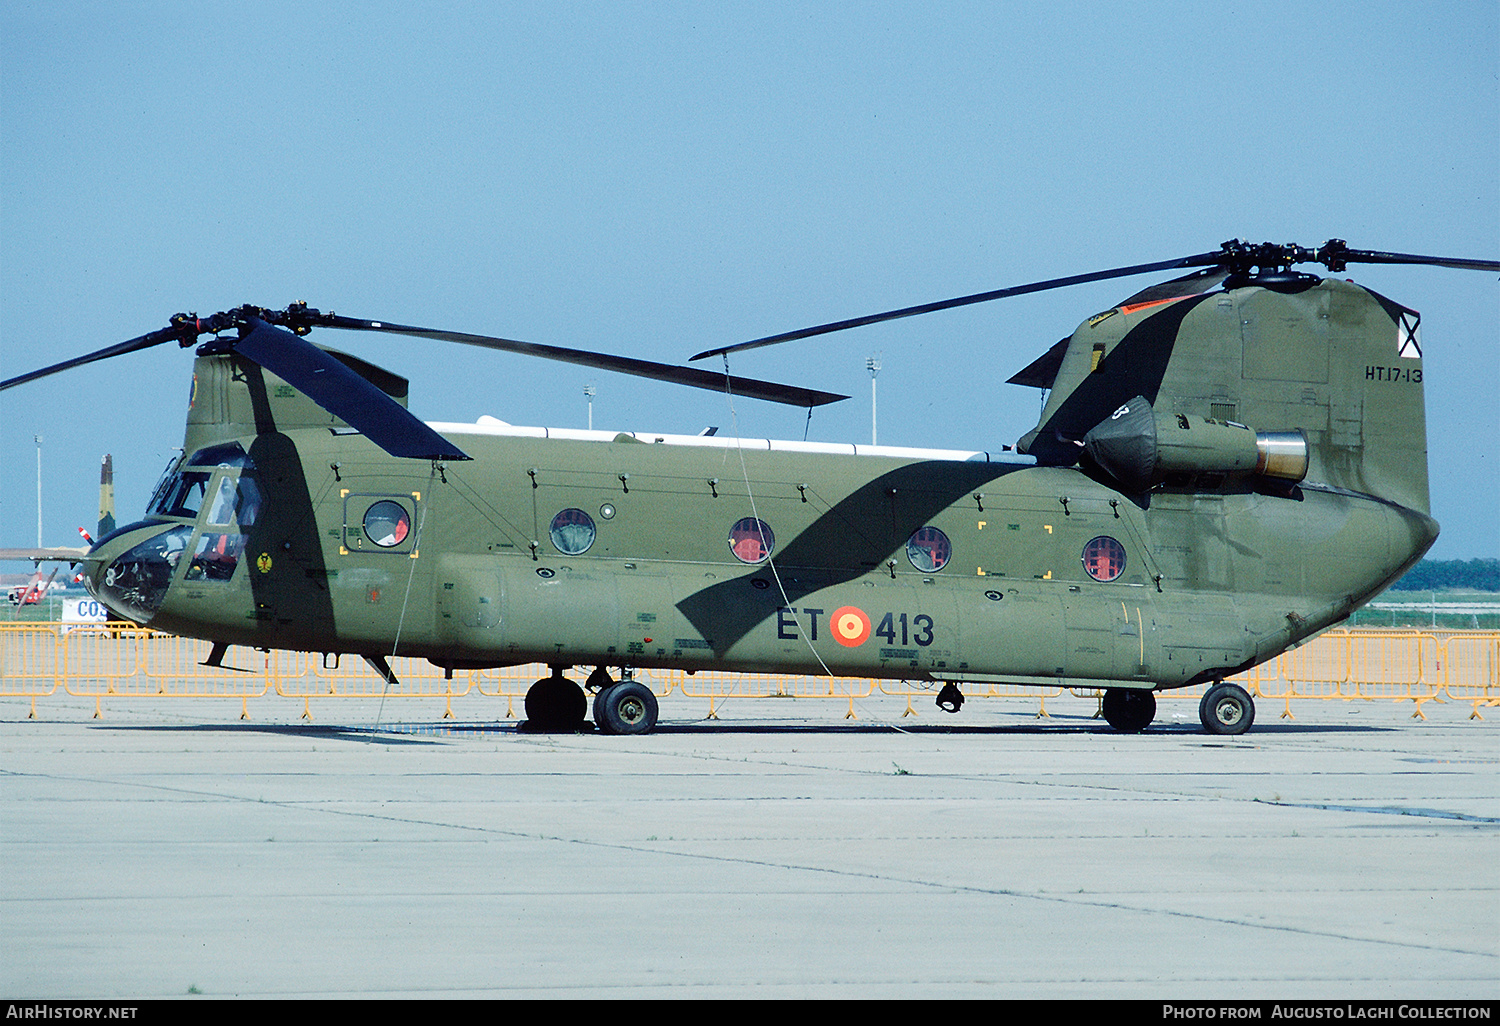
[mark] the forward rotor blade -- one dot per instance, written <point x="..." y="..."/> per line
<point x="343" y="393"/>
<point x="791" y="395"/>
<point x="1199" y="260"/>
<point x="146" y="341"/>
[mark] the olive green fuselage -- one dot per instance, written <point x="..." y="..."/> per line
<point x="1194" y="585"/>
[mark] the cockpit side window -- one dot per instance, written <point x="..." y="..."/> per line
<point x="216" y="557"/>
<point x="236" y="501"/>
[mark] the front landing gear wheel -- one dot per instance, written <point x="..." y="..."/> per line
<point x="628" y="707"/>
<point x="1226" y="709"/>
<point x="1129" y="710"/>
<point x="555" y="703"/>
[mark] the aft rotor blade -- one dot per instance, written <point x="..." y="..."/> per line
<point x="1194" y="284"/>
<point x="343" y="393"/>
<point x="146" y="341"/>
<point x="1372" y="256"/>
<point x="791" y="395"/>
<point x="1200" y="260"/>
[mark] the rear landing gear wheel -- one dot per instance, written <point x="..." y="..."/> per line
<point x="1226" y="709"/>
<point x="628" y="707"/>
<point x="1129" y="710"/>
<point x="555" y="703"/>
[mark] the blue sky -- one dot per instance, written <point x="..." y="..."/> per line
<point x="654" y="179"/>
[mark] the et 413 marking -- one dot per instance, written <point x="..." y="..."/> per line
<point x="851" y="626"/>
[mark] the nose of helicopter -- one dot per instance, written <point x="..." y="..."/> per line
<point x="129" y="571"/>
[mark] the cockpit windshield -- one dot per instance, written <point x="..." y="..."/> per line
<point x="182" y="492"/>
<point x="180" y="495"/>
<point x="229" y="454"/>
<point x="168" y="474"/>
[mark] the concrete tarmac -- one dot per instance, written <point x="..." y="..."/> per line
<point x="779" y="851"/>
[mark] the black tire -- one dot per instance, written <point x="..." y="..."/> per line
<point x="555" y="703"/>
<point x="1226" y="709"/>
<point x="601" y="700"/>
<point x="1129" y="710"/>
<point x="628" y="707"/>
<point x="599" y="682"/>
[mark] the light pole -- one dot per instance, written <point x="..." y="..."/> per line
<point x="38" y="439"/>
<point x="873" y="366"/>
<point x="588" y="393"/>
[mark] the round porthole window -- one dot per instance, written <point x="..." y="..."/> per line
<point x="573" y="532"/>
<point x="1104" y="558"/>
<point x="929" y="550"/>
<point x="751" y="540"/>
<point x="387" y="523"/>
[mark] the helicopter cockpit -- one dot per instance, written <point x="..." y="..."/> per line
<point x="203" y="504"/>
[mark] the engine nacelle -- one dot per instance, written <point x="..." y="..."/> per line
<point x="1142" y="447"/>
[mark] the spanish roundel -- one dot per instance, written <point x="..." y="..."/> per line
<point x="850" y="626"/>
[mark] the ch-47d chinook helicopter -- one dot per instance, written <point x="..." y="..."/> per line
<point x="1226" y="464"/>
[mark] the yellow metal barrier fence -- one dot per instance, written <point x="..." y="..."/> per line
<point x="1402" y="666"/>
<point x="1471" y="667"/>
<point x="124" y="661"/>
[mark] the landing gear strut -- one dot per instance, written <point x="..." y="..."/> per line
<point x="950" y="698"/>
<point x="1226" y="709"/>
<point x="1129" y="710"/>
